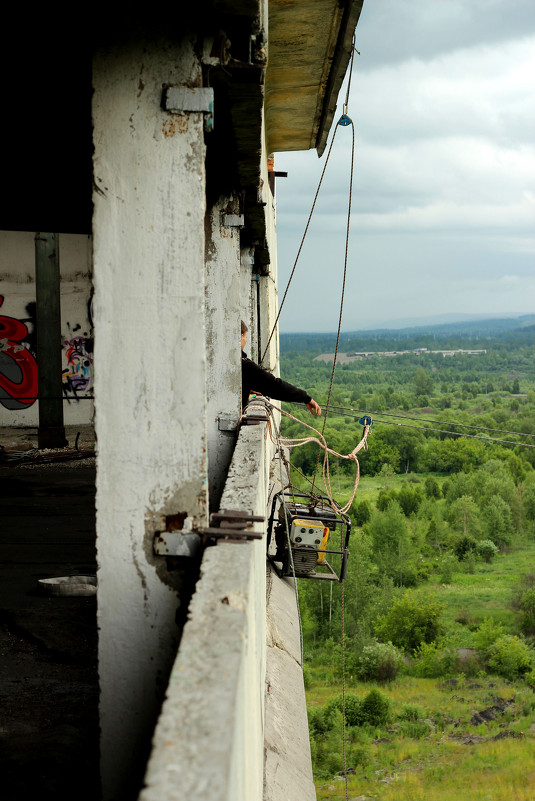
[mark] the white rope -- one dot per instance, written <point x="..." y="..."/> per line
<point x="296" y="442"/>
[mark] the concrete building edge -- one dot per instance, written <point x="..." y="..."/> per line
<point x="210" y="730"/>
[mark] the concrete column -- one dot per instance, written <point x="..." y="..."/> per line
<point x="223" y="313"/>
<point x="149" y="319"/>
<point x="249" y="296"/>
<point x="48" y="317"/>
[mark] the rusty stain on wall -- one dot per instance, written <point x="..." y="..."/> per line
<point x="175" y="125"/>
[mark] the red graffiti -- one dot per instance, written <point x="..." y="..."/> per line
<point x="18" y="368"/>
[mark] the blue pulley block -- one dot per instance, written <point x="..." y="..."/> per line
<point x="344" y="120"/>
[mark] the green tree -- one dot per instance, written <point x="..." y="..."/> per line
<point x="487" y="549"/>
<point x="392" y="549"/>
<point x="409" y="499"/>
<point x="497" y="517"/>
<point x="360" y="512"/>
<point x="432" y="488"/>
<point x="410" y="621"/>
<point x="423" y="383"/>
<point x="464" y="514"/>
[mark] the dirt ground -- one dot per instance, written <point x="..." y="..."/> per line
<point x="48" y="644"/>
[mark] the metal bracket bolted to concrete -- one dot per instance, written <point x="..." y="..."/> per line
<point x="178" y="99"/>
<point x="177" y="543"/>
<point x="227" y="423"/>
<point x="233" y="220"/>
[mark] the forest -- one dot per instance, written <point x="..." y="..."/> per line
<point x="435" y="671"/>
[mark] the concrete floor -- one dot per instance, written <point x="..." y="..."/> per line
<point x="48" y="644"/>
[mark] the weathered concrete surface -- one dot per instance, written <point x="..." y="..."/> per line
<point x="288" y="767"/>
<point x="208" y="744"/>
<point x="223" y="365"/>
<point x="150" y="386"/>
<point x="309" y="49"/>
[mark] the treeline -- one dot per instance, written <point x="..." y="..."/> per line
<point x="471" y="334"/>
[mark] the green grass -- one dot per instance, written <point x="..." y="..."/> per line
<point x="486" y="593"/>
<point x="368" y="488"/>
<point x="437" y="763"/>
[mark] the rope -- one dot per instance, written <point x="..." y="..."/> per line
<point x="296" y="442"/>
<point x="282" y="458"/>
<point x="344" y="690"/>
<point x="344" y="277"/>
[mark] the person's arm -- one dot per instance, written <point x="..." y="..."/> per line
<point x="256" y="379"/>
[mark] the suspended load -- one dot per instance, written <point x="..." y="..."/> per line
<point x="306" y="530"/>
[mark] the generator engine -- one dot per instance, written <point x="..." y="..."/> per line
<point x="306" y="529"/>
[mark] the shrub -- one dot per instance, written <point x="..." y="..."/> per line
<point x="416" y="730"/>
<point x="411" y="712"/>
<point x="433" y="661"/>
<point x="334" y="763"/>
<point x="353" y="709"/>
<point x="360" y="756"/>
<point x="487" y="550"/>
<point x="487" y="634"/>
<point x="464" y="546"/>
<point x="432" y="487"/>
<point x="319" y="720"/>
<point x="375" y="708"/>
<point x="530" y="679"/>
<point x="360" y="512"/>
<point x="447" y="566"/>
<point x="469" y="563"/>
<point x="386" y="471"/>
<point x="409" y="500"/>
<point x="410" y="621"/>
<point x="379" y="662"/>
<point x="527" y="606"/>
<point x="463" y="617"/>
<point x="510" y="657"/>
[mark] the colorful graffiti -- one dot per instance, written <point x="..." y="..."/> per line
<point x="18" y="368"/>
<point x="77" y="375"/>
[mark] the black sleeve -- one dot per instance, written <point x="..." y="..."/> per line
<point x="256" y="379"/>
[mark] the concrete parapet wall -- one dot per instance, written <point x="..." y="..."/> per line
<point x="288" y="766"/>
<point x="209" y="741"/>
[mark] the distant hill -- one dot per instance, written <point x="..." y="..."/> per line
<point x="466" y="333"/>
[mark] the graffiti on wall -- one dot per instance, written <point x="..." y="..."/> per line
<point x="18" y="368"/>
<point x="77" y="376"/>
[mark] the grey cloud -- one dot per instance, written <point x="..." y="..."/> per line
<point x="391" y="31"/>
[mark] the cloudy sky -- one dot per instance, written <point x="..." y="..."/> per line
<point x="443" y="214"/>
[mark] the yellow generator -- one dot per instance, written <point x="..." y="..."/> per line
<point x="305" y="535"/>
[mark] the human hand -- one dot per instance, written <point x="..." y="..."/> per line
<point x="314" y="408"/>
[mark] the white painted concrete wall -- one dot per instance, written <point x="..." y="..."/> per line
<point x="149" y="311"/>
<point x="234" y="723"/>
<point x="17" y="286"/>
<point x="223" y="314"/>
<point x="288" y="764"/>
<point x="209" y="742"/>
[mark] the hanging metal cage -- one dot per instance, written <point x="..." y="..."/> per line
<point x="304" y="528"/>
